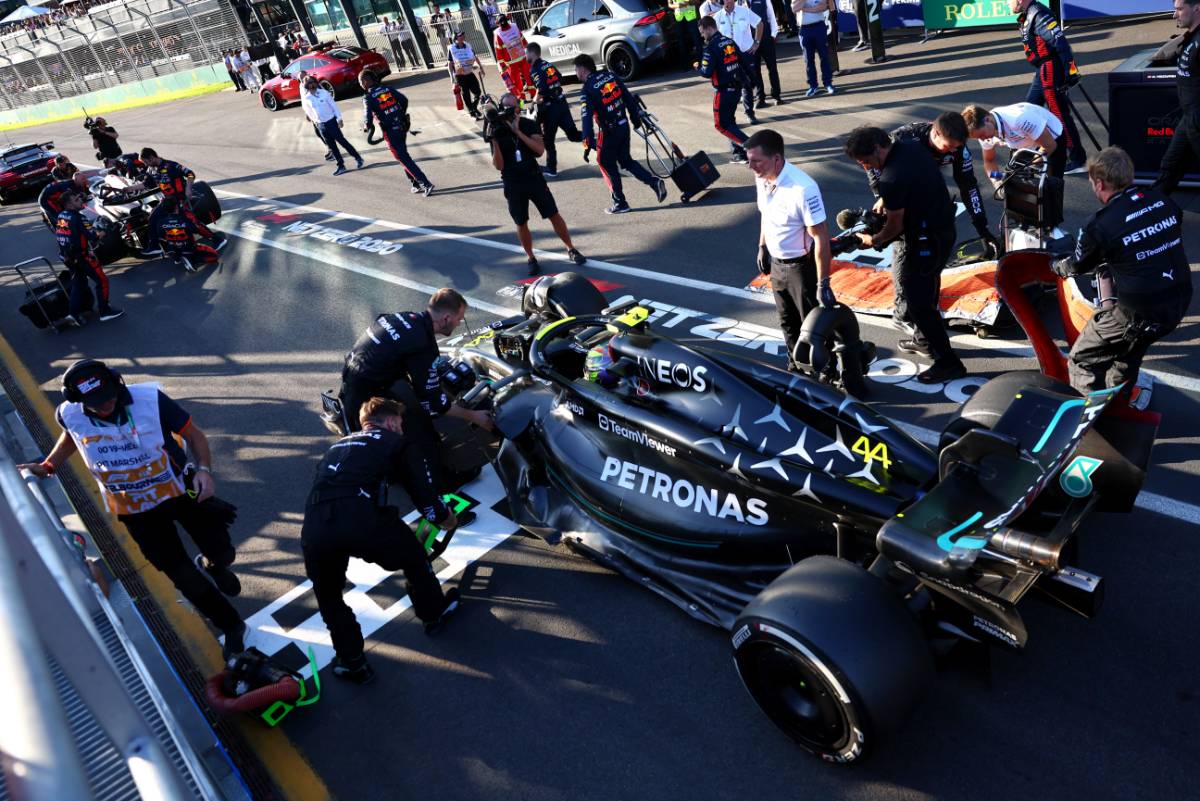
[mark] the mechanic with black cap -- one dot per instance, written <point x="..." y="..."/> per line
<point x="50" y="198"/>
<point x="1183" y="153"/>
<point x="177" y="236"/>
<point x="173" y="180"/>
<point x="75" y="239"/>
<point x="63" y="168"/>
<point x="920" y="222"/>
<point x="402" y="346"/>
<point x="605" y="97"/>
<point x="390" y="107"/>
<point x="347" y="514"/>
<point x="553" y="111"/>
<point x="129" y="438"/>
<point x="722" y="63"/>
<point x="1137" y="238"/>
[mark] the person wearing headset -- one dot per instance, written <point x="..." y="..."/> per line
<point x="129" y="437"/>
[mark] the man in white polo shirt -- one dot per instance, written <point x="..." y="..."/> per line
<point x="322" y="111"/>
<point x="793" y="240"/>
<point x="1021" y="125"/>
<point x="745" y="28"/>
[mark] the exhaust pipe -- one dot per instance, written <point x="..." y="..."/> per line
<point x="1030" y="547"/>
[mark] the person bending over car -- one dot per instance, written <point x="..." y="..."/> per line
<point x="177" y="236"/>
<point x="347" y="514"/>
<point x="402" y="347"/>
<point x="75" y="239"/>
<point x="126" y="165"/>
<point x="1137" y="237"/>
<point x="63" y="168"/>
<point x="390" y="107"/>
<point x="173" y="180"/>
<point x="50" y="200"/>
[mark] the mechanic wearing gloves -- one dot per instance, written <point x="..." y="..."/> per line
<point x="75" y="238"/>
<point x="50" y="199"/>
<point x="793" y="238"/>
<point x="390" y="107"/>
<point x="605" y="97"/>
<point x="1049" y="53"/>
<point x="147" y="487"/>
<point x="920" y="220"/>
<point x="462" y="62"/>
<point x="722" y="63"/>
<point x="946" y="141"/>
<point x="403" y="347"/>
<point x="322" y="111"/>
<point x="516" y="143"/>
<point x="1183" y="153"/>
<point x="553" y="111"/>
<point x="177" y="237"/>
<point x="1137" y="238"/>
<point x="173" y="180"/>
<point x="347" y="514"/>
<point x="63" y="168"/>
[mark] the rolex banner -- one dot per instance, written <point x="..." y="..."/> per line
<point x="943" y="14"/>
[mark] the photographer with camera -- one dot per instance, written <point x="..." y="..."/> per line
<point x="793" y="237"/>
<point x="613" y="107"/>
<point x="390" y="107"/>
<point x="920" y="223"/>
<point x="721" y="62"/>
<point x="1137" y="238"/>
<point x="104" y="138"/>
<point x="516" y="144"/>
<point x="553" y="111"/>
<point x="347" y="514"/>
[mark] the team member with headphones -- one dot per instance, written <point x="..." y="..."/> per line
<point x="130" y="439"/>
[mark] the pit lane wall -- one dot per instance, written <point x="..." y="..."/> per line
<point x="173" y="86"/>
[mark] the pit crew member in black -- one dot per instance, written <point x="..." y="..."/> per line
<point x="75" y="238"/>
<point x="516" y="144"/>
<point x="391" y="109"/>
<point x="721" y="62"/>
<point x="50" y="200"/>
<point x="63" y="168"/>
<point x="347" y="515"/>
<point x="1137" y="238"/>
<point x="1049" y="53"/>
<point x="129" y="438"/>
<point x="172" y="179"/>
<point x="553" y="110"/>
<point x="1183" y="153"/>
<point x="605" y="97"/>
<point x="177" y="236"/>
<point x="126" y="165"/>
<point x="920" y="219"/>
<point x="403" y="347"/>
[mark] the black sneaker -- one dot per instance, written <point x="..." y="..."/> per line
<point x="235" y="642"/>
<point x="779" y="101"/>
<point x="149" y="253"/>
<point x="660" y="190"/>
<point x="433" y="627"/>
<point x="942" y="371"/>
<point x="427" y="189"/>
<point x="1075" y="167"/>
<point x="751" y="119"/>
<point x="762" y="103"/>
<point x="358" y="165"/>
<point x="357" y="671"/>
<point x="329" y="157"/>
<point x="225" y="579"/>
<point x="575" y="256"/>
<point x="739" y="157"/>
<point x="534" y="267"/>
<point x="110" y="314"/>
<point x="618" y="208"/>
<point x="340" y="170"/>
<point x="912" y="346"/>
<point x="549" y="173"/>
<point x="219" y="241"/>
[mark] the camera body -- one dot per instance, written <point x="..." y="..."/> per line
<point x="496" y="118"/>
<point x="854" y="222"/>
<point x="89" y="124"/>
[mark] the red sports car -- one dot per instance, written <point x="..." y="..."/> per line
<point x="24" y="167"/>
<point x="335" y="66"/>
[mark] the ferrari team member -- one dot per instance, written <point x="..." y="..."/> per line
<point x="390" y="107"/>
<point x="177" y="236"/>
<point x="945" y="139"/>
<point x="793" y="237"/>
<point x="173" y="180"/>
<point x="510" y="55"/>
<point x="745" y="28"/>
<point x="347" y="514"/>
<point x="1183" y="153"/>
<point x="462" y="63"/>
<point x="553" y="110"/>
<point x="1136" y="237"/>
<point x="75" y="238"/>
<point x="63" y="168"/>
<point x="605" y="98"/>
<point x="721" y="62"/>
<point x="402" y="347"/>
<point x="50" y="199"/>
<point x="1049" y="53"/>
<point x="920" y="219"/>
<point x="146" y="487"/>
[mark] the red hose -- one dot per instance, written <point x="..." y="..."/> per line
<point x="286" y="689"/>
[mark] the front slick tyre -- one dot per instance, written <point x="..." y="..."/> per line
<point x="832" y="656"/>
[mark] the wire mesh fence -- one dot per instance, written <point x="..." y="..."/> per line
<point x="114" y="44"/>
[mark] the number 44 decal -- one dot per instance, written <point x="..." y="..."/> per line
<point x="877" y="452"/>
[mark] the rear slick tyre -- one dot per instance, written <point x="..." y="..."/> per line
<point x="832" y="656"/>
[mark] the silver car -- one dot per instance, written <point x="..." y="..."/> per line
<point x="623" y="34"/>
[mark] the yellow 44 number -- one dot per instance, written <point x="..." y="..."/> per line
<point x="871" y="453"/>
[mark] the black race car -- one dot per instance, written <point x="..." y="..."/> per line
<point x="840" y="553"/>
<point x="24" y="169"/>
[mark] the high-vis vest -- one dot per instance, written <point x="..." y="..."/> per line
<point x="463" y="58"/>
<point x="684" y="10"/>
<point x="510" y="44"/>
<point x="129" y="460"/>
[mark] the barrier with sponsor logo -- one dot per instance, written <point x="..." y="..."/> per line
<point x="943" y="14"/>
<point x="894" y="14"/>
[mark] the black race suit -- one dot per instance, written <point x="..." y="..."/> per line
<point x="1183" y="154"/>
<point x="553" y="110"/>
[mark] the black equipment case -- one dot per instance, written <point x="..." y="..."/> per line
<point x="694" y="175"/>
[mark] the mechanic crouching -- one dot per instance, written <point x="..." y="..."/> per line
<point x="50" y="200"/>
<point x="177" y="237"/>
<point x="75" y="239"/>
<point x="1137" y="237"/>
<point x="347" y="514"/>
<point x="402" y="347"/>
<point x="173" y="180"/>
<point x="390" y="107"/>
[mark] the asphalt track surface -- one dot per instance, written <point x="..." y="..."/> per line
<point x="560" y="679"/>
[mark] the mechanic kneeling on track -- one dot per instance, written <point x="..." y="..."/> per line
<point x="403" y="346"/>
<point x="50" y="199"/>
<point x="150" y="486"/>
<point x="177" y="236"/>
<point x="605" y="97"/>
<point x="1137" y="237"/>
<point x="173" y="180"/>
<point x="516" y="144"/>
<point x="390" y="106"/>
<point x="75" y="238"/>
<point x="347" y="514"/>
<point x="553" y="111"/>
<point x="721" y="61"/>
<point x="920" y="220"/>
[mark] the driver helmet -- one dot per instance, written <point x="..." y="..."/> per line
<point x="597" y="367"/>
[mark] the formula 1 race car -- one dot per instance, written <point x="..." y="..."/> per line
<point x="120" y="209"/>
<point x="840" y="553"/>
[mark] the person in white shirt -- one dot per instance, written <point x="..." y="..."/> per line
<point x="231" y="67"/>
<point x="1021" y="125"/>
<point x="321" y="109"/>
<point x="248" y="71"/>
<point x="392" y="31"/>
<point x="462" y="62"/>
<point x="404" y="35"/>
<point x="709" y="8"/>
<point x="765" y="54"/>
<point x="745" y="28"/>
<point x="814" y="37"/>
<point x="793" y="239"/>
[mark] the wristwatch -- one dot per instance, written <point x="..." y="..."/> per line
<point x="202" y="469"/>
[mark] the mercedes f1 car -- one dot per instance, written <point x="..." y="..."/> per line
<point x="840" y="553"/>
